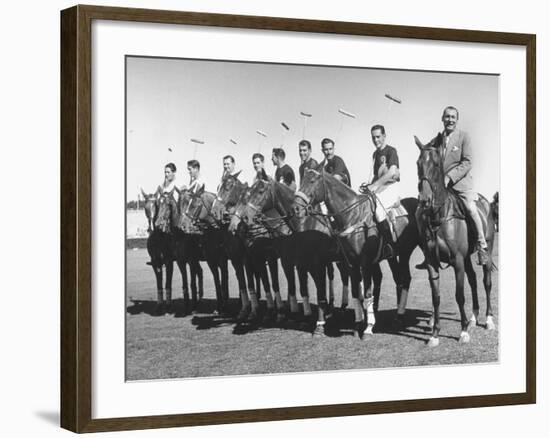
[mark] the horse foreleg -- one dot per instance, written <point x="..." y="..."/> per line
<point x="320" y="279"/>
<point x="488" y="283"/>
<point x="344" y="275"/>
<point x="356" y="301"/>
<point x="405" y="281"/>
<point x="216" y="275"/>
<point x="224" y="284"/>
<point x="472" y="280"/>
<point x="200" y="279"/>
<point x="274" y="272"/>
<point x="183" y="270"/>
<point x="330" y="273"/>
<point x="302" y="280"/>
<point x="168" y="285"/>
<point x="157" y="269"/>
<point x="243" y="292"/>
<point x="369" y="272"/>
<point x="460" y="300"/>
<point x="433" y="275"/>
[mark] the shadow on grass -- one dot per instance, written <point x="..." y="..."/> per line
<point x="414" y="325"/>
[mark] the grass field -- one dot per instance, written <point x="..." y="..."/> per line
<point x="177" y="346"/>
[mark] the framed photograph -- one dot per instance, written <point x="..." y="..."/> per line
<point x="269" y="218"/>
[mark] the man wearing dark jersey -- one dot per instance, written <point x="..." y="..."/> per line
<point x="284" y="173"/>
<point x="333" y="164"/>
<point x="384" y="184"/>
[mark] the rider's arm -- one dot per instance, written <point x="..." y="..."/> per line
<point x="463" y="167"/>
<point x="391" y="175"/>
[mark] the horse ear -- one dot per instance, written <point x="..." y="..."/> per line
<point x="143" y="193"/>
<point x="236" y="175"/>
<point x="158" y="192"/>
<point x="200" y="190"/>
<point x="418" y="143"/>
<point x="178" y="191"/>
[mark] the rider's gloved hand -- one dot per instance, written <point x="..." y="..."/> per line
<point x="364" y="188"/>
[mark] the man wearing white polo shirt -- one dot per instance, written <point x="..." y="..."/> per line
<point x="384" y="185"/>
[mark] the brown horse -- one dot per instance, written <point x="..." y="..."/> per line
<point x="160" y="243"/>
<point x="251" y="249"/>
<point x="196" y="220"/>
<point x="298" y="242"/>
<point x="447" y="237"/>
<point x="358" y="238"/>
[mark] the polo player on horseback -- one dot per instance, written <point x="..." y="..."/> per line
<point x="456" y="150"/>
<point x="195" y="182"/>
<point x="383" y="185"/>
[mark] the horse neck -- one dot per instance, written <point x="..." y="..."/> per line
<point x="206" y="200"/>
<point x="283" y="198"/>
<point x="338" y="198"/>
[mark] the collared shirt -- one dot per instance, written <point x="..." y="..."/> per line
<point x="310" y="163"/>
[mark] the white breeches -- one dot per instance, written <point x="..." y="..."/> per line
<point x="386" y="199"/>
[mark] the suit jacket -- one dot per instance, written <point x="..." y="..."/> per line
<point x="458" y="159"/>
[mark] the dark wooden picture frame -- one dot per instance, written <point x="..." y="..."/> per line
<point x="76" y="217"/>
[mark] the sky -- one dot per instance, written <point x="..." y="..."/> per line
<point x="170" y="101"/>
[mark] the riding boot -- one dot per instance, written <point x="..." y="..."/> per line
<point x="388" y="250"/>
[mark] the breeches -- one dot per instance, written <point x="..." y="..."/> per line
<point x="385" y="200"/>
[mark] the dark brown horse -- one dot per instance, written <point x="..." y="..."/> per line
<point x="197" y="222"/>
<point x="251" y="249"/>
<point x="159" y="211"/>
<point x="298" y="242"/>
<point x="358" y="238"/>
<point x="448" y="238"/>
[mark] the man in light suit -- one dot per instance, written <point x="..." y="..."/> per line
<point x="454" y="145"/>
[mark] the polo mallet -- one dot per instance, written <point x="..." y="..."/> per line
<point x="263" y="136"/>
<point x="391" y="102"/>
<point x="196" y="142"/>
<point x="285" y="131"/>
<point x="346" y="114"/>
<point x="305" y="116"/>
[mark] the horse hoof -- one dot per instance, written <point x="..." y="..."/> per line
<point x="464" y="338"/>
<point x="473" y="320"/>
<point x="369" y="329"/>
<point x="433" y="342"/>
<point x="490" y="325"/>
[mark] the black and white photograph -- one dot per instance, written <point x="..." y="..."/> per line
<point x="287" y="218"/>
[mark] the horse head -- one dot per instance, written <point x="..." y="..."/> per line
<point x="311" y="192"/>
<point x="167" y="210"/>
<point x="195" y="207"/>
<point x="228" y="195"/>
<point x="253" y="201"/>
<point x="431" y="177"/>
<point x="151" y="207"/>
